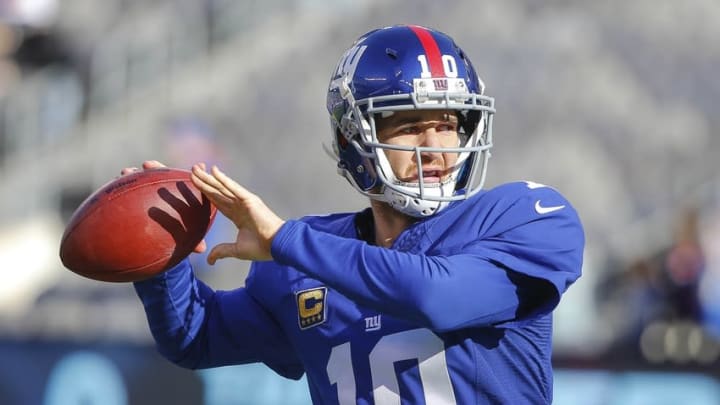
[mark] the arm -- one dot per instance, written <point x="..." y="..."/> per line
<point x="518" y="272"/>
<point x="196" y="327"/>
<point x="474" y="288"/>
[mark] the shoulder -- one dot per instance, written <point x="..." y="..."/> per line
<point x="530" y="228"/>
<point x="526" y="210"/>
<point x="510" y="194"/>
<point x="512" y="204"/>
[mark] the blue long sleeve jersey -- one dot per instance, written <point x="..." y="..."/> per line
<point x="457" y="311"/>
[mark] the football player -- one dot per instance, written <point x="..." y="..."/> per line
<point x="440" y="292"/>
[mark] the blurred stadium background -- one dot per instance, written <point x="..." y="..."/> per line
<point x="614" y="103"/>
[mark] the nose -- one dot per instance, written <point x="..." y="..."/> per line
<point x="430" y="139"/>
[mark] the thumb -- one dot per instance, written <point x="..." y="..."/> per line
<point x="221" y="251"/>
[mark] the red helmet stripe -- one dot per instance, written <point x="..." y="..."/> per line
<point x="431" y="50"/>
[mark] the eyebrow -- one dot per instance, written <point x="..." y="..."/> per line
<point x="411" y="119"/>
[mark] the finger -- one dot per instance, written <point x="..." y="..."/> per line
<point x="152" y="164"/>
<point x="231" y="185"/>
<point x="221" y="201"/>
<point x="221" y="251"/>
<point x="201" y="247"/>
<point x="207" y="183"/>
<point x="215" y="195"/>
<point x="128" y="170"/>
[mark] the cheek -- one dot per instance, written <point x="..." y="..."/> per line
<point x="450" y="159"/>
<point x="399" y="160"/>
<point x="395" y="156"/>
<point x="451" y="142"/>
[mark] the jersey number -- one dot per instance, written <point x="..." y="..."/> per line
<point x="417" y="344"/>
<point x="448" y="63"/>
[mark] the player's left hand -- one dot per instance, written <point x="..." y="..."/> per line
<point x="257" y="224"/>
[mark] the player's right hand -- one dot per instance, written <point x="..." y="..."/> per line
<point x="153" y="164"/>
<point x="148" y="164"/>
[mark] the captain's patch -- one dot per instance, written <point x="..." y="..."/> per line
<point x="311" y="307"/>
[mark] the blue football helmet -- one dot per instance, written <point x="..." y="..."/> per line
<point x="401" y="68"/>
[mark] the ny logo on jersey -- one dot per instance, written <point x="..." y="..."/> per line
<point x="373" y="323"/>
<point x="312" y="310"/>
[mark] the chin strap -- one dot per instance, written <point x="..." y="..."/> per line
<point x="415" y="207"/>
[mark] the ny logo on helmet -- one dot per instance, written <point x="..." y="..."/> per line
<point x="440" y="84"/>
<point x="349" y="61"/>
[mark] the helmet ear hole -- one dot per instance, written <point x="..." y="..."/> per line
<point x="342" y="142"/>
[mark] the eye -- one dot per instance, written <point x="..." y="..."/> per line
<point x="408" y="130"/>
<point x="446" y="127"/>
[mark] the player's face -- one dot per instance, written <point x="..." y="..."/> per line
<point x="428" y="128"/>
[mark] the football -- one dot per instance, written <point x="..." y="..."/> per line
<point x="136" y="226"/>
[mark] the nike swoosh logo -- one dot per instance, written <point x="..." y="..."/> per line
<point x="546" y="210"/>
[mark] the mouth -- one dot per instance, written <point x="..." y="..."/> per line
<point x="432" y="176"/>
<point x="429" y="176"/>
